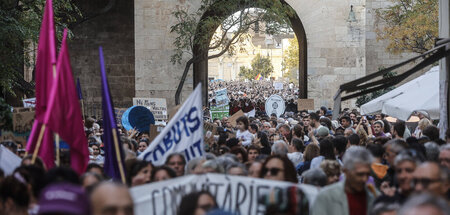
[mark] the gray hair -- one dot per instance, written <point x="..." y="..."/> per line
<point x="213" y="164"/>
<point x="356" y="155"/>
<point x="425" y="200"/>
<point x="444" y="147"/>
<point x="192" y="164"/>
<point x="316" y="177"/>
<point x="406" y="155"/>
<point x="279" y="148"/>
<point x="226" y="160"/>
<point x="432" y="151"/>
<point x="396" y="145"/>
<point x="237" y="165"/>
<point x="383" y="207"/>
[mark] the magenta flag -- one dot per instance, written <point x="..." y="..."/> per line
<point x="45" y="61"/>
<point x="63" y="114"/>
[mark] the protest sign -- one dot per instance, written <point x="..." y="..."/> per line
<point x="278" y="85"/>
<point x="305" y="104"/>
<point x="157" y="106"/>
<point x="221" y="97"/>
<point x="184" y="133"/>
<point x="137" y="117"/>
<point x="242" y="195"/>
<point x="275" y="104"/>
<point x="23" y="119"/>
<point x="233" y="118"/>
<point x="220" y="112"/>
<point x="8" y="160"/>
<point x="29" y="103"/>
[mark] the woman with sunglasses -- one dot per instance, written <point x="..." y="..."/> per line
<point x="279" y="168"/>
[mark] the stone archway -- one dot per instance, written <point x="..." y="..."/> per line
<point x="200" y="69"/>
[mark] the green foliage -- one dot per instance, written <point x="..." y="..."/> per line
<point x="5" y="115"/>
<point x="411" y="25"/>
<point x="247" y="14"/>
<point x="20" y="23"/>
<point x="260" y="65"/>
<point x="369" y="97"/>
<point x="290" y="61"/>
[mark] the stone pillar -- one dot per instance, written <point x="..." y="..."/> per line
<point x="444" y="64"/>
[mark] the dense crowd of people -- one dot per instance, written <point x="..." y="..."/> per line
<point x="252" y="95"/>
<point x="358" y="164"/>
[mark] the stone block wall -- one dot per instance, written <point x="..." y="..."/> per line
<point x="114" y="31"/>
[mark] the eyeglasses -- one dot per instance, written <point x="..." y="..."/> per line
<point x="424" y="181"/>
<point x="273" y="171"/>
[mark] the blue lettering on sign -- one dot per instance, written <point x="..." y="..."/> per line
<point x="187" y="125"/>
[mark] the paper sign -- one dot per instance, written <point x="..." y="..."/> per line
<point x="221" y="97"/>
<point x="28" y="103"/>
<point x="23" y="119"/>
<point x="275" y="104"/>
<point x="305" y="104"/>
<point x="220" y="112"/>
<point x="278" y="85"/>
<point x="233" y="118"/>
<point x="157" y="106"/>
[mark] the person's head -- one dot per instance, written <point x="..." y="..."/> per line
<point x="254" y="169"/>
<point x="392" y="148"/>
<point x="315" y="176"/>
<point x="297" y="145"/>
<point x="311" y="151"/>
<point x="253" y="128"/>
<point x="314" y="117"/>
<point x="332" y="169"/>
<point x="63" y="199"/>
<point x="143" y="144"/>
<point x="112" y="199"/>
<point x="297" y="131"/>
<point x="346" y="121"/>
<point x="444" y="155"/>
<point x="236" y="168"/>
<point x="352" y="140"/>
<point x="253" y="152"/>
<point x="240" y="153"/>
<point x="139" y="172"/>
<point x="378" y="127"/>
<point x="162" y="173"/>
<point x="425" y="204"/>
<point x="432" y="151"/>
<point x="266" y="126"/>
<point x="95" y="149"/>
<point x="285" y="130"/>
<point x="379" y="116"/>
<point x="26" y="161"/>
<point x="177" y="162"/>
<point x="327" y="149"/>
<point x="385" y="208"/>
<point x="398" y="129"/>
<point x="376" y="150"/>
<point x="322" y="132"/>
<point x="279" y="168"/>
<point x="353" y="117"/>
<point x="96" y="168"/>
<point x="405" y="163"/>
<point x="431" y="132"/>
<point x="279" y="148"/>
<point x="348" y="131"/>
<point x="14" y="195"/>
<point x="197" y="203"/>
<point x="90" y="179"/>
<point x="273" y="123"/>
<point x="423" y="123"/>
<point x="357" y="161"/>
<point x="432" y="178"/>
<point x="306" y="121"/>
<point x="242" y="123"/>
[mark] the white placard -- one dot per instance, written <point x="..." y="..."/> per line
<point x="27" y="103"/>
<point x="184" y="133"/>
<point x="8" y="160"/>
<point x="158" y="106"/>
<point x="275" y="104"/>
<point x="233" y="193"/>
<point x="278" y="85"/>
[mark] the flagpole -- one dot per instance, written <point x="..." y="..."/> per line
<point x="38" y="145"/>
<point x="119" y="157"/>
<point x="82" y="109"/>
<point x="57" y="149"/>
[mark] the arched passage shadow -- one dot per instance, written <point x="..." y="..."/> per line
<point x="200" y="68"/>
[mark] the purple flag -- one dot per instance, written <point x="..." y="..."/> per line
<point x="114" y="156"/>
<point x="80" y="95"/>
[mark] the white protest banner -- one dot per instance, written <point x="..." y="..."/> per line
<point x="8" y="160"/>
<point x="278" y="85"/>
<point x="221" y="97"/>
<point x="184" y="133"/>
<point x="238" y="194"/>
<point x="157" y="106"/>
<point x="275" y="104"/>
<point x="27" y="103"/>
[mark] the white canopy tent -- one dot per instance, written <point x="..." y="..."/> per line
<point x="420" y="94"/>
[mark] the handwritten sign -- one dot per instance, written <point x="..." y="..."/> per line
<point x="23" y="119"/>
<point x="305" y="104"/>
<point x="157" y="106"/>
